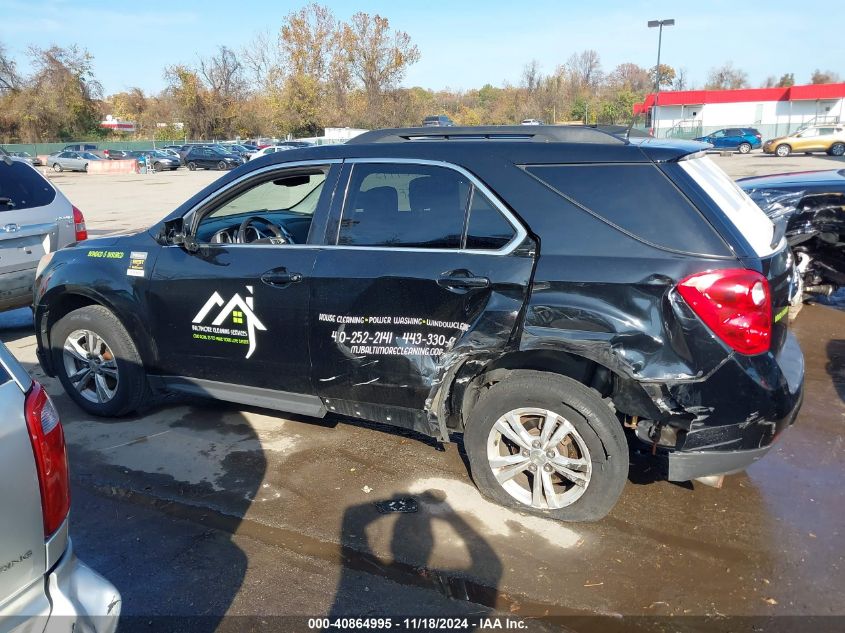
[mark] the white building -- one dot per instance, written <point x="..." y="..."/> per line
<point x="773" y="111"/>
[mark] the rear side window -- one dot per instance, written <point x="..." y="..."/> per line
<point x="487" y="228"/>
<point x="419" y="206"/>
<point x="638" y="199"/>
<point x="21" y="187"/>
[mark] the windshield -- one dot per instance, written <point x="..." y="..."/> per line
<point x="89" y="156"/>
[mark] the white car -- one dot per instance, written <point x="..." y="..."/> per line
<point x="43" y="586"/>
<point x="270" y="150"/>
<point x="531" y="122"/>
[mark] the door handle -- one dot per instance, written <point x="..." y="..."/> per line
<point x="281" y="277"/>
<point x="466" y="281"/>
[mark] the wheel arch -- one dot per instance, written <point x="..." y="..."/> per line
<point x="623" y="394"/>
<point x="64" y="302"/>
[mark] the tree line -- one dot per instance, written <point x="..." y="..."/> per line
<point x="317" y="71"/>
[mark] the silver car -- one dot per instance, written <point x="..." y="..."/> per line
<point x="43" y="586"/>
<point x="35" y="219"/>
<point x="72" y="161"/>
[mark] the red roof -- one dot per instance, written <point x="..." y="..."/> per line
<point x="699" y="97"/>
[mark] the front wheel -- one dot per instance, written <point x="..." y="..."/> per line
<point x="783" y="150"/>
<point x="547" y="444"/>
<point x="744" y="148"/>
<point x="837" y="149"/>
<point x="97" y="362"/>
<point x="221" y="165"/>
<point x="56" y="167"/>
<point x="192" y="166"/>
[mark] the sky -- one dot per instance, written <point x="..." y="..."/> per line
<point x="462" y="44"/>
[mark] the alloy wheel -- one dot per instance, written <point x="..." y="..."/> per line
<point x="539" y="458"/>
<point x="90" y="366"/>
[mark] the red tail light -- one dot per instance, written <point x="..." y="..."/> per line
<point x="48" y="444"/>
<point x="735" y="304"/>
<point x="79" y="225"/>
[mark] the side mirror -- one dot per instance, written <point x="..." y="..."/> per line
<point x="175" y="233"/>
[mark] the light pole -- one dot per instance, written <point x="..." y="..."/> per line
<point x="660" y="24"/>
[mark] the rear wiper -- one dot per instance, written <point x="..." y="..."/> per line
<point x="7" y="201"/>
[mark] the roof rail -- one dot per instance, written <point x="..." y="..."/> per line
<point x="611" y="135"/>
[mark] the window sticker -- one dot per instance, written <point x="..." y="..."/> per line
<point x="137" y="261"/>
<point x="234" y="324"/>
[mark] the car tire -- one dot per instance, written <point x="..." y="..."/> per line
<point x="57" y="168"/>
<point x="222" y="166"/>
<point x="783" y="150"/>
<point x="744" y="148"/>
<point x="837" y="149"/>
<point x="156" y="166"/>
<point x="192" y="166"/>
<point x="117" y="385"/>
<point x="85" y="168"/>
<point x="593" y="437"/>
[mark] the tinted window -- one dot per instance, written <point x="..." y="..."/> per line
<point x="21" y="187"/>
<point x="417" y="206"/>
<point x="637" y="198"/>
<point x="487" y="228"/>
<point x="734" y="132"/>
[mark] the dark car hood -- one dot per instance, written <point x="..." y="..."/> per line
<point x="794" y="179"/>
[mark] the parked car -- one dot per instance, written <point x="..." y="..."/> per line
<point x="27" y="157"/>
<point x="72" y="161"/>
<point x="440" y="120"/>
<point x="43" y="586"/>
<point x="809" y="208"/>
<point x="80" y="147"/>
<point x="270" y="149"/>
<point x="742" y="139"/>
<point x="117" y="154"/>
<point x="171" y="148"/>
<point x="35" y="218"/>
<point x="531" y="122"/>
<point x="159" y="160"/>
<point x="535" y="289"/>
<point x="211" y="158"/>
<point x="828" y="138"/>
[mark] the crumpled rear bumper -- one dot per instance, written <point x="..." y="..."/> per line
<point x="83" y="601"/>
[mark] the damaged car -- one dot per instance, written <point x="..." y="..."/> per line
<point x="535" y="289"/>
<point x="808" y="207"/>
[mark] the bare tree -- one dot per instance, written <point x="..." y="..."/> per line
<point x="726" y="77"/>
<point x="9" y="78"/>
<point x="826" y="77"/>
<point x="585" y="69"/>
<point x="260" y="57"/>
<point x="681" y="81"/>
<point x="531" y="76"/>
<point x="224" y="74"/>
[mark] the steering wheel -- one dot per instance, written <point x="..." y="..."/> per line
<point x="280" y="234"/>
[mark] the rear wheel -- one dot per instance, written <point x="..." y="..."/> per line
<point x="547" y="444"/>
<point x="783" y="150"/>
<point x="157" y="166"/>
<point x="192" y="166"/>
<point x="744" y="148"/>
<point x="57" y="167"/>
<point x="837" y="149"/>
<point x="97" y="362"/>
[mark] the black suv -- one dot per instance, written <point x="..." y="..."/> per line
<point x="536" y="289"/>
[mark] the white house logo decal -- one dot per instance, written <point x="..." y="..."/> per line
<point x="235" y="323"/>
